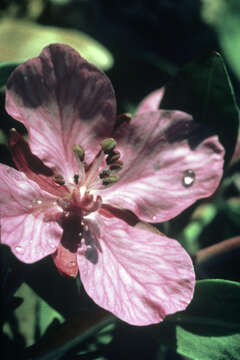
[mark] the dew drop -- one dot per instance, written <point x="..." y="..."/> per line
<point x="39" y="202"/>
<point x="188" y="178"/>
<point x="154" y="218"/>
<point x="19" y="249"/>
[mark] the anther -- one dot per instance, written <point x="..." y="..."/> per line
<point x="76" y="178"/>
<point x="122" y="118"/>
<point x="79" y="152"/>
<point x="108" y="145"/>
<point x="112" y="157"/>
<point x="110" y="180"/>
<point x="104" y="174"/>
<point x="117" y="166"/>
<point x="59" y="179"/>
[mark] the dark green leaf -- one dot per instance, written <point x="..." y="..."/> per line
<point x="210" y="327"/>
<point x="204" y="90"/>
<point x="225" y="17"/>
<point x="60" y="339"/>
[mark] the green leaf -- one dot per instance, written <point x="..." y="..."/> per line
<point x="5" y="70"/>
<point x="204" y="90"/>
<point x="210" y="327"/>
<point x="60" y="339"/>
<point x="225" y="17"/>
<point x="22" y="40"/>
<point x="47" y="315"/>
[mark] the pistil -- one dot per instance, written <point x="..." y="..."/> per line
<point x="80" y="156"/>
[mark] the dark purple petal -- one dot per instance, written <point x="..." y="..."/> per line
<point x="62" y="100"/>
<point x="169" y="160"/>
<point x="33" y="167"/>
<point x="151" y="102"/>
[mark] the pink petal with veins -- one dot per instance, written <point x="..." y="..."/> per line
<point x="151" y="102"/>
<point x="138" y="275"/>
<point x="170" y="161"/>
<point x="24" y="208"/>
<point x="33" y="167"/>
<point x="62" y="100"/>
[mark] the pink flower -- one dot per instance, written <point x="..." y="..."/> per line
<point x="77" y="188"/>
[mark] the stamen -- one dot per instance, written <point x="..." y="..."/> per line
<point x="76" y="178"/>
<point x="116" y="166"/>
<point x="96" y="177"/>
<point x="79" y="152"/>
<point x="112" y="157"/>
<point x="59" y="179"/>
<point x="104" y="174"/>
<point x="93" y="170"/>
<point x="80" y="155"/>
<point x="108" y="145"/>
<point x="110" y="180"/>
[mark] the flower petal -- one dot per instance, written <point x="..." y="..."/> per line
<point x="24" y="208"/>
<point x="151" y="102"/>
<point x="138" y="275"/>
<point x="65" y="261"/>
<point x="33" y="167"/>
<point x="169" y="160"/>
<point x="62" y="100"/>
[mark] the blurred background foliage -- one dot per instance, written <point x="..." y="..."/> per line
<point x="141" y="44"/>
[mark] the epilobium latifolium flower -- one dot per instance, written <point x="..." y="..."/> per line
<point x="84" y="182"/>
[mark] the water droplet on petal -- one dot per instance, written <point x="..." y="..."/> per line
<point x="154" y="218"/>
<point x="188" y="178"/>
<point x="19" y="249"/>
<point x="39" y="202"/>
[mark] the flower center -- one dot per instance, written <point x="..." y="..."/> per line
<point x="101" y="173"/>
<point x="103" y="169"/>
